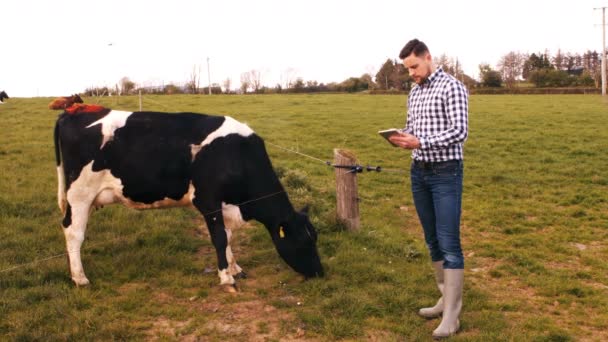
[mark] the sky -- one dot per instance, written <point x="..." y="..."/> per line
<point x="60" y="47"/>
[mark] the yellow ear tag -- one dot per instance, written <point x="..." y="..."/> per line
<point x="281" y="232"/>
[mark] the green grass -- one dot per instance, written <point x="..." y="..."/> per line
<point x="535" y="231"/>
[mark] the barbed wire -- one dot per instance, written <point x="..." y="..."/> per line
<point x="354" y="168"/>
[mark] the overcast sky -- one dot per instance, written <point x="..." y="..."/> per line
<point x="60" y="47"/>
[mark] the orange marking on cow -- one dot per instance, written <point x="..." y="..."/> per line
<point x="79" y="108"/>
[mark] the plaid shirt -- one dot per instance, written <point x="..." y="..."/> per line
<point x="438" y="116"/>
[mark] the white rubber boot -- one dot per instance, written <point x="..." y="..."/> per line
<point x="452" y="303"/>
<point x="436" y="310"/>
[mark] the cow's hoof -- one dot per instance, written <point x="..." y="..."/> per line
<point x="81" y="282"/>
<point x="230" y="288"/>
<point x="240" y="275"/>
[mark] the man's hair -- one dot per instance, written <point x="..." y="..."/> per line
<point x="415" y="46"/>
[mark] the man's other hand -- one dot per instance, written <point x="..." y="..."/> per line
<point x="405" y="140"/>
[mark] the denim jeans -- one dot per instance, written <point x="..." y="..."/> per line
<point x="437" y="192"/>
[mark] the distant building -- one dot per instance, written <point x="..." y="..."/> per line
<point x="575" y="71"/>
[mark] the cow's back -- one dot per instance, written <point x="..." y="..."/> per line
<point x="142" y="159"/>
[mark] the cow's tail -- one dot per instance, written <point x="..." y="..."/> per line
<point x="61" y="193"/>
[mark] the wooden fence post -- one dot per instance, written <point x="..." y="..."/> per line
<point x="347" y="198"/>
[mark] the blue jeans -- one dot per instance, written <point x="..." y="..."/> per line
<point x="437" y="192"/>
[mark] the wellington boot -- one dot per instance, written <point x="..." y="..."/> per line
<point x="452" y="303"/>
<point x="435" y="311"/>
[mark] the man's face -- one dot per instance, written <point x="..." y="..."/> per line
<point x="418" y="67"/>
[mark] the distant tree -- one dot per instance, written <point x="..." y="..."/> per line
<point x="510" y="67"/>
<point x="287" y="77"/>
<point x="255" y="79"/>
<point x="400" y="78"/>
<point x="559" y="60"/>
<point x="192" y="85"/>
<point x="587" y="80"/>
<point x="97" y="91"/>
<point x="593" y="67"/>
<point x="578" y="60"/>
<point x="469" y="81"/>
<point x="245" y="82"/>
<point x="450" y="65"/>
<point x="356" y="84"/>
<point x="227" y="83"/>
<point x="367" y="81"/>
<point x="126" y="85"/>
<point x="443" y="61"/>
<point x="215" y="89"/>
<point x="384" y="76"/>
<point x="351" y="85"/>
<point x="535" y="62"/>
<point x="312" y="86"/>
<point x="298" y="86"/>
<point x="569" y="61"/>
<point x="551" y="78"/>
<point x="371" y="71"/>
<point x="489" y="77"/>
<point x="457" y="70"/>
<point x="172" y="89"/>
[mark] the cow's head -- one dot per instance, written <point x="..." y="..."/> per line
<point x="296" y="242"/>
<point x="3" y="95"/>
<point x="76" y="98"/>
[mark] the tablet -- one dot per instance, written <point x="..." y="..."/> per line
<point x="387" y="133"/>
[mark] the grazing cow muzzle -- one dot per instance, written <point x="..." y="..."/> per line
<point x="305" y="261"/>
<point x="296" y="242"/>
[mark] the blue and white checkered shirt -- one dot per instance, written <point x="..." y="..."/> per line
<point x="438" y="116"/>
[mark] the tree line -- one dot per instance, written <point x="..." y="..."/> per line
<point x="544" y="70"/>
<point x="513" y="69"/>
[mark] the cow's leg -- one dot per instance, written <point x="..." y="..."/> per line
<point x="235" y="270"/>
<point x="75" y="225"/>
<point x="219" y="238"/>
<point x="232" y="219"/>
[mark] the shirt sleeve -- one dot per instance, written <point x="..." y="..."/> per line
<point x="408" y="122"/>
<point x="456" y="102"/>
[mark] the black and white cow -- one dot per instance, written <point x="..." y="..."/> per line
<point x="3" y="95"/>
<point x="148" y="160"/>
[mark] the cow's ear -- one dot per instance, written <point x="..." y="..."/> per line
<point x="305" y="210"/>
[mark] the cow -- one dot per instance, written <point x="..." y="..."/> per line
<point x="3" y="95"/>
<point x="65" y="102"/>
<point x="147" y="160"/>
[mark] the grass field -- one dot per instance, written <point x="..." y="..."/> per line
<point x="535" y="232"/>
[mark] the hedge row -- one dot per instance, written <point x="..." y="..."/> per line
<point x="508" y="91"/>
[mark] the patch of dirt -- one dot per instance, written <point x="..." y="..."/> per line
<point x="252" y="320"/>
<point x="220" y="315"/>
<point x="165" y="328"/>
<point x="241" y="317"/>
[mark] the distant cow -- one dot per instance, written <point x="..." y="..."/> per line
<point x="65" y="102"/>
<point x="148" y="160"/>
<point x="3" y="95"/>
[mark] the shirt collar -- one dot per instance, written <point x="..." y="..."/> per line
<point x="432" y="77"/>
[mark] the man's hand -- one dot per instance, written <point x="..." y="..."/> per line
<point x="405" y="140"/>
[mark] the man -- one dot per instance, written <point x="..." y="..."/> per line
<point x="436" y="128"/>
